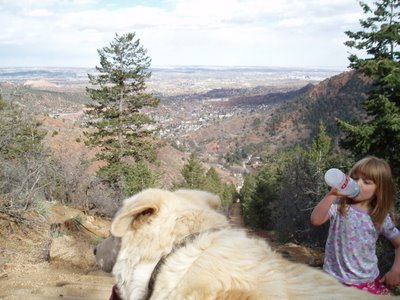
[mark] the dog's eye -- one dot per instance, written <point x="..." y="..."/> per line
<point x="147" y="212"/>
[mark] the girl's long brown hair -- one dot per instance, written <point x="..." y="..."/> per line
<point x="377" y="170"/>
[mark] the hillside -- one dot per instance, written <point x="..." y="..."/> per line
<point x="269" y="98"/>
<point x="340" y="96"/>
<point x="278" y="120"/>
<point x="44" y="97"/>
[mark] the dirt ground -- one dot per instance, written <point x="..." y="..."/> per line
<point x="27" y="272"/>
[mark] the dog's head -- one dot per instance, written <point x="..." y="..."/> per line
<point x="154" y="219"/>
<point x="169" y="215"/>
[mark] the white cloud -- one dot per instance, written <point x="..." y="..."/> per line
<point x="39" y="13"/>
<point x="256" y="32"/>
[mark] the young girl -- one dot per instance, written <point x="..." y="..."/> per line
<point x="355" y="225"/>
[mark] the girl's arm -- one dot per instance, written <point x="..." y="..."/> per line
<point x="392" y="278"/>
<point x="320" y="214"/>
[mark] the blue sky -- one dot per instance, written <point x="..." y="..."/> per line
<point x="282" y="33"/>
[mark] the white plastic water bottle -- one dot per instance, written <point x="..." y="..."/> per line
<point x="342" y="182"/>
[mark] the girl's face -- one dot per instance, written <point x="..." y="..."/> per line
<point x="367" y="190"/>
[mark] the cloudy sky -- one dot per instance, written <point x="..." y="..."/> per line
<point x="286" y="33"/>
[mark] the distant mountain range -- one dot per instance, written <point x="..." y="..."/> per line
<point x="19" y="74"/>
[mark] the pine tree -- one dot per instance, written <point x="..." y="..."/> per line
<point x="20" y="134"/>
<point x="123" y="131"/>
<point x="380" y="134"/>
<point x="138" y="178"/>
<point x="321" y="145"/>
<point x="195" y="177"/>
<point x="193" y="173"/>
<point x="212" y="181"/>
<point x="260" y="191"/>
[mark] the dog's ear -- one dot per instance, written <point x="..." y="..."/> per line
<point x="124" y="217"/>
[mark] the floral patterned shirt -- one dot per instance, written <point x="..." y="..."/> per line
<point x="350" y="248"/>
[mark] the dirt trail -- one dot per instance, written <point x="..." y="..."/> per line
<point x="235" y="215"/>
<point x="46" y="281"/>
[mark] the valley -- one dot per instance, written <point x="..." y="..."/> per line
<point x="213" y="112"/>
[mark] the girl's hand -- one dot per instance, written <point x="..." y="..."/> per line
<point x="391" y="279"/>
<point x="335" y="192"/>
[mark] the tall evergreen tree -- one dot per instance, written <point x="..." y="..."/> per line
<point x="123" y="132"/>
<point x="195" y="177"/>
<point x="379" y="44"/>
<point x="260" y="191"/>
<point x="302" y="187"/>
<point x="138" y="178"/>
<point x="212" y="181"/>
<point x="193" y="173"/>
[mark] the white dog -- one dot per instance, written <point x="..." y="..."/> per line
<point x="175" y="245"/>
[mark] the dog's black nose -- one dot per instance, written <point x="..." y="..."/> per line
<point x="95" y="251"/>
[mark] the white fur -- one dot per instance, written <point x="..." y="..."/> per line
<point x="218" y="263"/>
